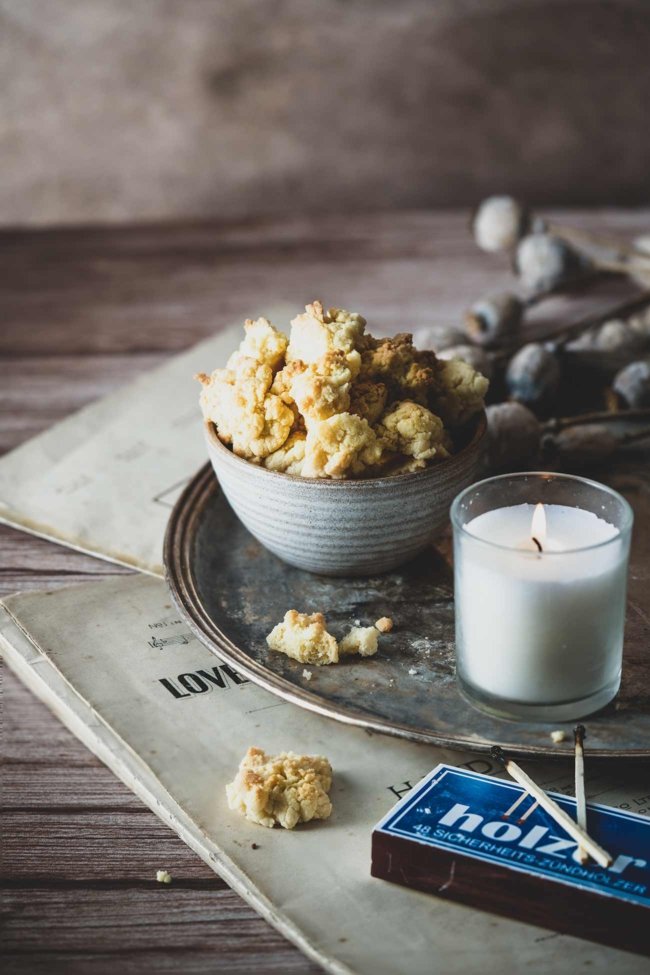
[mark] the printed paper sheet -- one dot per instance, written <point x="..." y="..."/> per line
<point x="119" y="667"/>
<point x="105" y="479"/>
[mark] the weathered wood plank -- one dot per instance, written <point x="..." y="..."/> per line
<point x="140" y="929"/>
<point x="270" y="959"/>
<point x="32" y="736"/>
<point x="33" y="563"/>
<point x="74" y="835"/>
<point x="161" y="288"/>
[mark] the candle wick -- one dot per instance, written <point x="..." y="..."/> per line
<point x="538" y="544"/>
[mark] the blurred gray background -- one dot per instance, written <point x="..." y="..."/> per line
<point x="117" y="110"/>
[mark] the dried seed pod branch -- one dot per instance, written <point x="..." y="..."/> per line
<point x="499" y="222"/>
<point x="579" y="447"/>
<point x="544" y="261"/>
<point x="635" y="437"/>
<point x="565" y="333"/>
<point x="496" y="321"/>
<point x="619" y="248"/>
<point x="557" y="423"/>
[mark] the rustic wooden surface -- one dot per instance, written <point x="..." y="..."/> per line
<point x="82" y="312"/>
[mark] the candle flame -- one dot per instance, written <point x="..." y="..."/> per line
<point x="538" y="527"/>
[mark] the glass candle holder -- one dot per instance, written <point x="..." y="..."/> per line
<point x="540" y="563"/>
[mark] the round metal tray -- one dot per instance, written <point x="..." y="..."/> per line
<point x="232" y="591"/>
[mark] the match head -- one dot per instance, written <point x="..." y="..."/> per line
<point x="498" y="755"/>
<point x="579" y="734"/>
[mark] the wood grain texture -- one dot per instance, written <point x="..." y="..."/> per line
<point x="79" y="859"/>
<point x="82" y="312"/>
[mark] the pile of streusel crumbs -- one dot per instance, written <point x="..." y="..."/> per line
<point x="333" y="401"/>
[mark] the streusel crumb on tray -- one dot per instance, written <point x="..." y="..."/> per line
<point x="305" y="638"/>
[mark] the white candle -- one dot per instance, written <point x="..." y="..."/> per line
<point x="540" y="628"/>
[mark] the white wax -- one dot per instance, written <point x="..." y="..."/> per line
<point x="540" y="628"/>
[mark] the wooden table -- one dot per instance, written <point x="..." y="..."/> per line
<point x="82" y="312"/>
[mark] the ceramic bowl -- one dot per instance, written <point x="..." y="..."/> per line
<point x="356" y="527"/>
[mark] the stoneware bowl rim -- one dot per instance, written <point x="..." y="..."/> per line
<point x="351" y="483"/>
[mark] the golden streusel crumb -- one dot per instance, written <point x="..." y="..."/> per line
<point x="305" y="638"/>
<point x="318" y="332"/>
<point x="281" y="790"/>
<point x="413" y="430"/>
<point x="343" y="445"/>
<point x="385" y="624"/>
<point x="362" y="640"/>
<point x="289" y="458"/>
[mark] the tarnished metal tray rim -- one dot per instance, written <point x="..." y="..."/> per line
<point x="178" y="546"/>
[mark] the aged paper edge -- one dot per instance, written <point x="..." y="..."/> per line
<point x="69" y="707"/>
<point x="50" y="535"/>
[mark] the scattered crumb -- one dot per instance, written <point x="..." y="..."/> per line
<point x="284" y="789"/>
<point x="413" y="672"/>
<point x="163" y="877"/>
<point x="558" y="736"/>
<point x="385" y="624"/>
<point x="306" y="674"/>
<point x="357" y="622"/>
<point x="255" y="846"/>
<point x="362" y="640"/>
<point x="305" y="638"/>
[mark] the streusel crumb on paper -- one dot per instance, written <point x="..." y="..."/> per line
<point x="281" y="790"/>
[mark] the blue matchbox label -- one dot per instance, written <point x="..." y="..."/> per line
<point x="463" y="812"/>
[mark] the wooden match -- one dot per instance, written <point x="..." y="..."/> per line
<point x="575" y="831"/>
<point x="514" y="806"/>
<point x="531" y="809"/>
<point x="579" y="735"/>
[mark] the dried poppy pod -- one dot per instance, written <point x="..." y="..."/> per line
<point x="642" y="244"/>
<point x="499" y="222"/>
<point x="513" y="436"/>
<point x="631" y="386"/>
<point x="640" y="324"/>
<point x="533" y="375"/>
<point x="437" y="337"/>
<point x="544" y="262"/>
<point x="477" y="358"/>
<point x="495" y="320"/>
<point x="615" y="335"/>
